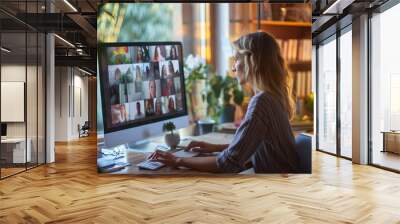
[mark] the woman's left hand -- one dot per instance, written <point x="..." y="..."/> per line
<point x="167" y="158"/>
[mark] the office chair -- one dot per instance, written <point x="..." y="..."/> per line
<point x="303" y="148"/>
<point x="84" y="130"/>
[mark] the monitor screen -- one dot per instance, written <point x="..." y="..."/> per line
<point x="141" y="83"/>
<point x="3" y="129"/>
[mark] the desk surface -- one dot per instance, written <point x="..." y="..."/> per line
<point x="14" y="140"/>
<point x="134" y="154"/>
<point x="391" y="132"/>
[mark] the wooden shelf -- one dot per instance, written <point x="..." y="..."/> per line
<point x="302" y="125"/>
<point x="286" y="29"/>
<point x="283" y="23"/>
<point x="300" y="65"/>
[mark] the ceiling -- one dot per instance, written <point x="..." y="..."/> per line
<point x="72" y="20"/>
<point x="332" y="15"/>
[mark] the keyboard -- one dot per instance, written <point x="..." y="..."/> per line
<point x="185" y="154"/>
<point x="150" y="165"/>
<point x="153" y="165"/>
<point x="104" y="163"/>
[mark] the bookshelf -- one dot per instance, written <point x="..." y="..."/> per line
<point x="291" y="26"/>
<point x="292" y="29"/>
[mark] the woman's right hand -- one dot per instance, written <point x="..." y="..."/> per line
<point x="201" y="147"/>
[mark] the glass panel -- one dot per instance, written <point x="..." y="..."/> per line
<point x="41" y="98"/>
<point x="327" y="97"/>
<point x="385" y="84"/>
<point x="346" y="94"/>
<point x="31" y="98"/>
<point x="23" y="81"/>
<point x="13" y="85"/>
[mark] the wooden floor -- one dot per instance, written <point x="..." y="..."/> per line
<point x="10" y="171"/>
<point x="387" y="159"/>
<point x="71" y="191"/>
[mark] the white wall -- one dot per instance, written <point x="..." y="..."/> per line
<point x="314" y="89"/>
<point x="360" y="90"/>
<point x="70" y="83"/>
<point x="61" y="103"/>
<point x="34" y="124"/>
<point x="12" y="73"/>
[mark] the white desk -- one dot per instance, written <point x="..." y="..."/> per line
<point x="131" y="154"/>
<point x="17" y="146"/>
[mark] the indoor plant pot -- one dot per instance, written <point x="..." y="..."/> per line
<point x="171" y="139"/>
<point x="205" y="126"/>
<point x="198" y="105"/>
<point x="228" y="113"/>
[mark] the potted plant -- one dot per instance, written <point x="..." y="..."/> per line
<point x="196" y="71"/>
<point x="223" y="89"/>
<point x="309" y="106"/>
<point x="171" y="139"/>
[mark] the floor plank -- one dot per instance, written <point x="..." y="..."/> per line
<point x="71" y="191"/>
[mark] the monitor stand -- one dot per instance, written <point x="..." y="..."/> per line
<point x="145" y="146"/>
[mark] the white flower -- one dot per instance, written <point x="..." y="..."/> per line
<point x="193" y="62"/>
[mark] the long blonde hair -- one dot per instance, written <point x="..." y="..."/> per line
<point x="265" y="68"/>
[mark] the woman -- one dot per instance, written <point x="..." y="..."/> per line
<point x="170" y="86"/>
<point x="114" y="89"/>
<point x="164" y="71"/>
<point x="118" y="114"/>
<point x="146" y="53"/>
<point x="139" y="54"/>
<point x="152" y="88"/>
<point x="156" y="70"/>
<point x="173" y="53"/>
<point x="158" y="107"/>
<point x="158" y="55"/>
<point x="170" y="70"/>
<point x="264" y="140"/>
<point x="149" y="74"/>
<point x="171" y="105"/>
<point x="138" y="73"/>
<point x="149" y="107"/>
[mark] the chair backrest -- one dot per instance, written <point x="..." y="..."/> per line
<point x="303" y="149"/>
<point x="86" y="125"/>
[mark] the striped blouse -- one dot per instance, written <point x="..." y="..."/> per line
<point x="264" y="138"/>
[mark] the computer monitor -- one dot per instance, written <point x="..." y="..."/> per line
<point x="142" y="86"/>
<point x="3" y="130"/>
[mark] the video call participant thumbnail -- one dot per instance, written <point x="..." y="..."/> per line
<point x="151" y="89"/>
<point x="138" y="72"/>
<point x="142" y="54"/>
<point x="171" y="104"/>
<point x="169" y="69"/>
<point x="149" y="105"/>
<point x="114" y="88"/>
<point x="173" y="53"/>
<point x="146" y="72"/>
<point x="155" y="70"/>
<point x="168" y="87"/>
<point x="139" y="109"/>
<point x="159" y="53"/>
<point x="178" y="102"/>
<point x="118" y="114"/>
<point x="157" y="106"/>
